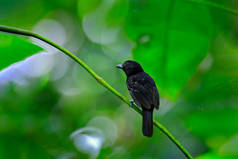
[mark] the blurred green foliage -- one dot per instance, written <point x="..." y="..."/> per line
<point x="165" y="34"/>
<point x="189" y="48"/>
<point x="8" y="47"/>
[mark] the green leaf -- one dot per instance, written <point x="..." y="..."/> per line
<point x="85" y="7"/>
<point x="116" y="15"/>
<point x="14" y="49"/>
<point x="213" y="123"/>
<point x="230" y="147"/>
<point x="213" y="155"/>
<point x="172" y="38"/>
<point x="218" y="86"/>
<point x="112" y="12"/>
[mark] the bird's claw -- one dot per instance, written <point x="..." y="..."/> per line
<point x="132" y="102"/>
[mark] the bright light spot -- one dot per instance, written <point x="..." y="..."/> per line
<point x="37" y="65"/>
<point x="61" y="65"/>
<point x="95" y="27"/>
<point x="34" y="66"/>
<point x="100" y="132"/>
<point x="206" y="63"/>
<point x="108" y="128"/>
<point x="11" y="74"/>
<point x="51" y="29"/>
<point x="121" y="49"/>
<point x="88" y="140"/>
<point x="95" y="142"/>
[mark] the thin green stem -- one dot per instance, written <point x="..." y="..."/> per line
<point x="215" y="5"/>
<point x="97" y="77"/>
<point x="171" y="137"/>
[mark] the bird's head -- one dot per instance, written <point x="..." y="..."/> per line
<point x="130" y="67"/>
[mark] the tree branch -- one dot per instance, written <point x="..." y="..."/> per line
<point x="97" y="77"/>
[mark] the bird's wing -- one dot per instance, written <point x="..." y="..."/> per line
<point x="144" y="91"/>
<point x="156" y="100"/>
<point x="151" y="90"/>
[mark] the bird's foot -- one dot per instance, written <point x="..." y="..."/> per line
<point x="132" y="102"/>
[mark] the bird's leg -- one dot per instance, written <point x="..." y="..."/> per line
<point x="132" y="102"/>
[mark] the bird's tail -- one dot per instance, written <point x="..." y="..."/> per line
<point x="147" y="126"/>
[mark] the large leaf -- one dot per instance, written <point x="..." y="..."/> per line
<point x="230" y="147"/>
<point x="14" y="49"/>
<point x="85" y="7"/>
<point x="172" y="38"/>
<point x="219" y="84"/>
<point x="213" y="155"/>
<point x="213" y="123"/>
<point x="111" y="12"/>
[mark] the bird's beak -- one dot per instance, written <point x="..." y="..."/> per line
<point x="119" y="66"/>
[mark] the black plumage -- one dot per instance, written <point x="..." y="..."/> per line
<point x="143" y="90"/>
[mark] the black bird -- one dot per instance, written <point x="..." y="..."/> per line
<point x="143" y="90"/>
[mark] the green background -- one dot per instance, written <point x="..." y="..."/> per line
<point x="189" y="48"/>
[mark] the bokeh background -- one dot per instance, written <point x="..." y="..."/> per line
<point x="51" y="108"/>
